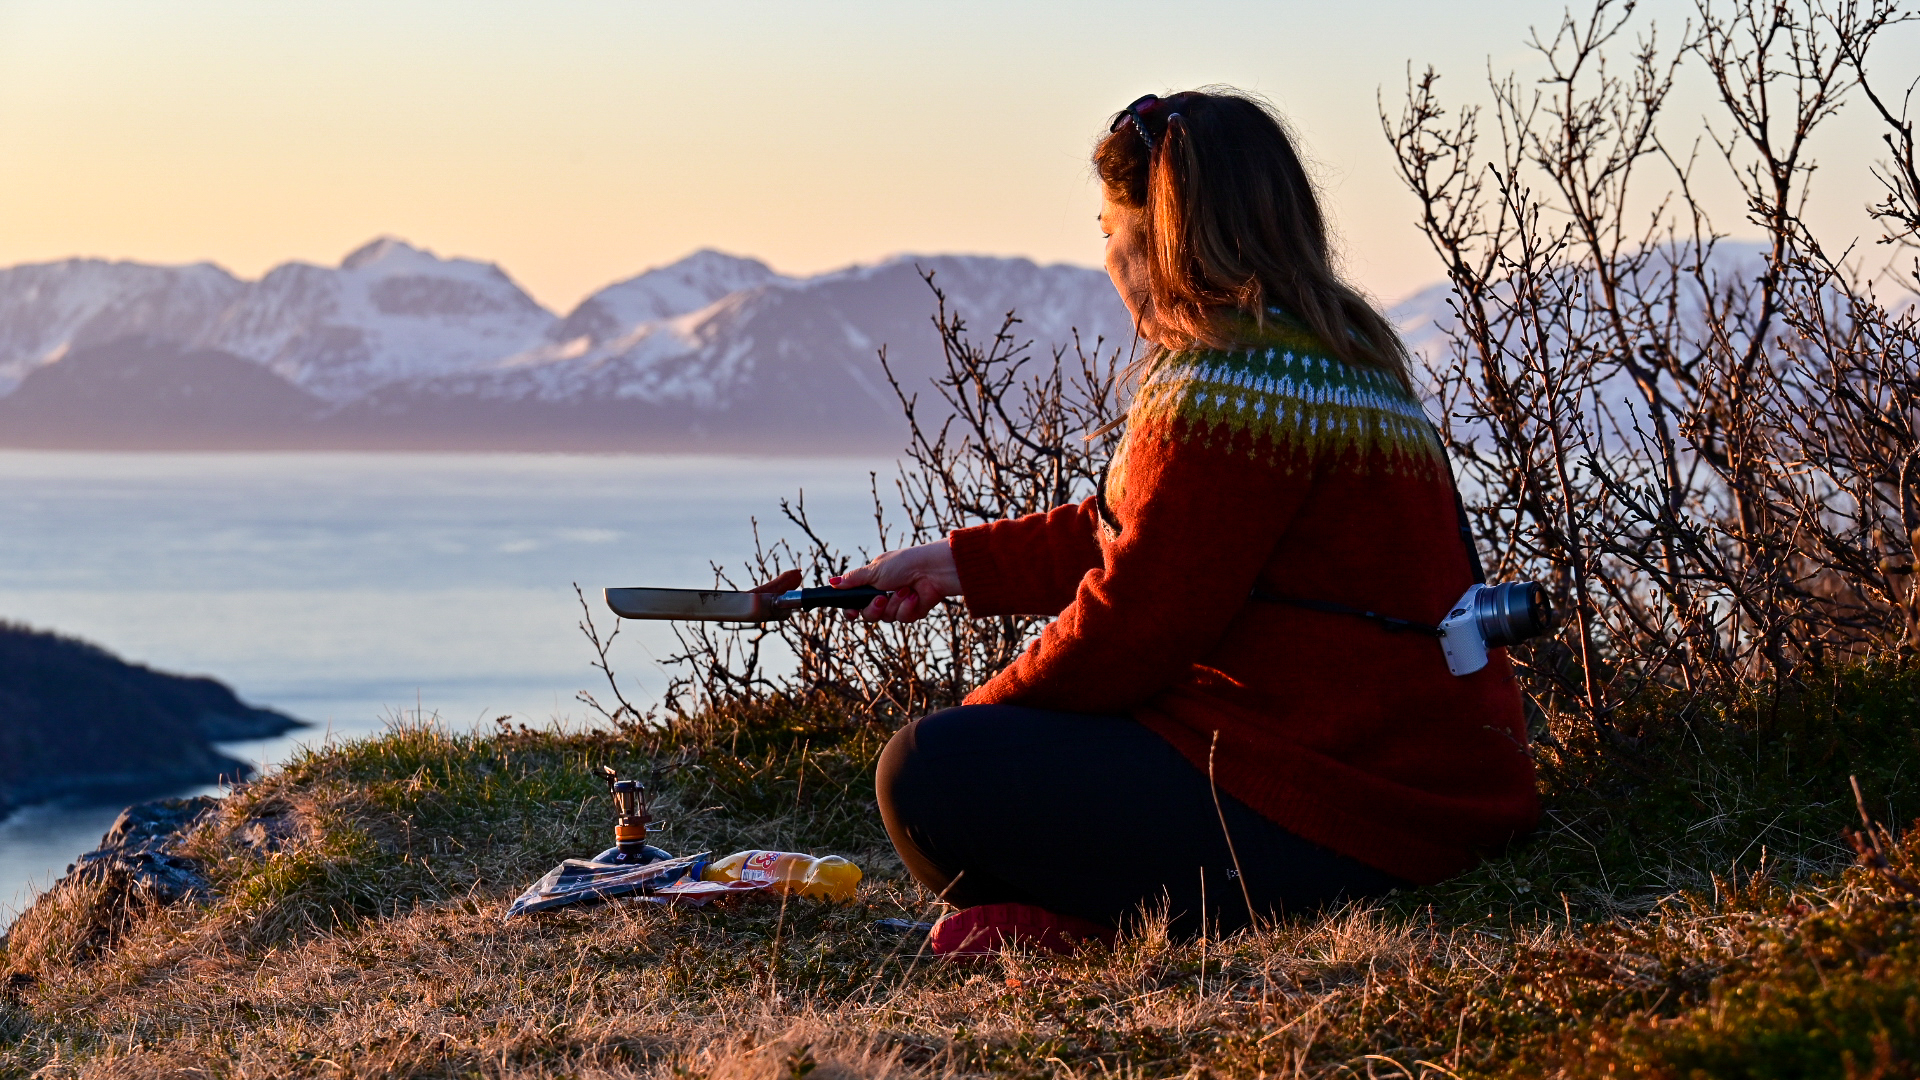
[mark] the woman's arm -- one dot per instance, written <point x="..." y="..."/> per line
<point x="1029" y="565"/>
<point x="1026" y="566"/>
<point x="1199" y="522"/>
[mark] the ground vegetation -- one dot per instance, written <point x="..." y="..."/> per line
<point x="1712" y="461"/>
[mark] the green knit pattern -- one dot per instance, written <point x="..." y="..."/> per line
<point x="1284" y="399"/>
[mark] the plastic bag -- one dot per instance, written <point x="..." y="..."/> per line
<point x="578" y="880"/>
<point x="679" y="881"/>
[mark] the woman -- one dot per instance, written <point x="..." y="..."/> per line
<point x="1185" y="733"/>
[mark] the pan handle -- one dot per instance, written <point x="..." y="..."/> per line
<point x="827" y="597"/>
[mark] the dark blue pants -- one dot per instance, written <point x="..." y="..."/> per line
<point x="1094" y="816"/>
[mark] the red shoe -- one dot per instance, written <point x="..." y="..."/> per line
<point x="985" y="930"/>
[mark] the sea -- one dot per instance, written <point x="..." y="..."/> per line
<point x="358" y="590"/>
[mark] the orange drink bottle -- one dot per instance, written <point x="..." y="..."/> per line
<point x="828" y="877"/>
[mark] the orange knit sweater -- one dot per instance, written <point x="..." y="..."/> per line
<point x="1277" y="466"/>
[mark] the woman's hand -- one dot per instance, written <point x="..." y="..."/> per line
<point x="918" y="578"/>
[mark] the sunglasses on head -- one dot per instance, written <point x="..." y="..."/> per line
<point x="1148" y="115"/>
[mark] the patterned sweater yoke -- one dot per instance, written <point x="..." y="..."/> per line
<point x="1284" y="399"/>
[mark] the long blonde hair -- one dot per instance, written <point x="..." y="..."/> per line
<point x="1235" y="229"/>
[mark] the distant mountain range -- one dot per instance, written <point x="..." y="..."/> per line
<point x="398" y="348"/>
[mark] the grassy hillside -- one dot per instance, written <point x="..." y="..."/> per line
<point x="1685" y="911"/>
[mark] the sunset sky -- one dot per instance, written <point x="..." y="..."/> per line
<point x="576" y="143"/>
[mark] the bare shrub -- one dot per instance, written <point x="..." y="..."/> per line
<point x="1009" y="434"/>
<point x="1709" y="454"/>
<point x="1707" y="447"/>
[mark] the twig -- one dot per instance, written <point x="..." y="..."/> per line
<point x="624" y="713"/>
<point x="1867" y="845"/>
<point x="1253" y="918"/>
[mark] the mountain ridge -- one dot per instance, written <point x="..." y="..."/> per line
<point x="397" y="347"/>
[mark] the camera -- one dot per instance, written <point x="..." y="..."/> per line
<point x="1487" y="616"/>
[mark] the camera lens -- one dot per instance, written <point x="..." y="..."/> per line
<point x="1513" y="612"/>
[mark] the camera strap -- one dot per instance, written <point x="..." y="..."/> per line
<point x="1388" y="622"/>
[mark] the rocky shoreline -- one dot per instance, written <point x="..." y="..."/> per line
<point x="77" y="721"/>
<point x="135" y="853"/>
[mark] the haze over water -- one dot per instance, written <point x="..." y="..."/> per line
<point x="347" y="588"/>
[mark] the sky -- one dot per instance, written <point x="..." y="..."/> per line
<point x="576" y="143"/>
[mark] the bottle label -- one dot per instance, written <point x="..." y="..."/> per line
<point x="760" y="866"/>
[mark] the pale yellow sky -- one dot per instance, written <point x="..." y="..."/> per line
<point x="577" y="143"/>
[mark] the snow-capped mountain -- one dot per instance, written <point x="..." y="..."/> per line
<point x="684" y="287"/>
<point x="786" y="363"/>
<point x="792" y="332"/>
<point x="48" y="309"/>
<point x="390" y="311"/>
<point x="397" y="346"/>
<point x="1427" y="318"/>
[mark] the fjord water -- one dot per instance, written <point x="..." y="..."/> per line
<point x="352" y="589"/>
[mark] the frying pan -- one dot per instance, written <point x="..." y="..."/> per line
<point x="719" y="605"/>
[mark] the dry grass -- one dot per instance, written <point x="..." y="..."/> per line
<point x="358" y="934"/>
